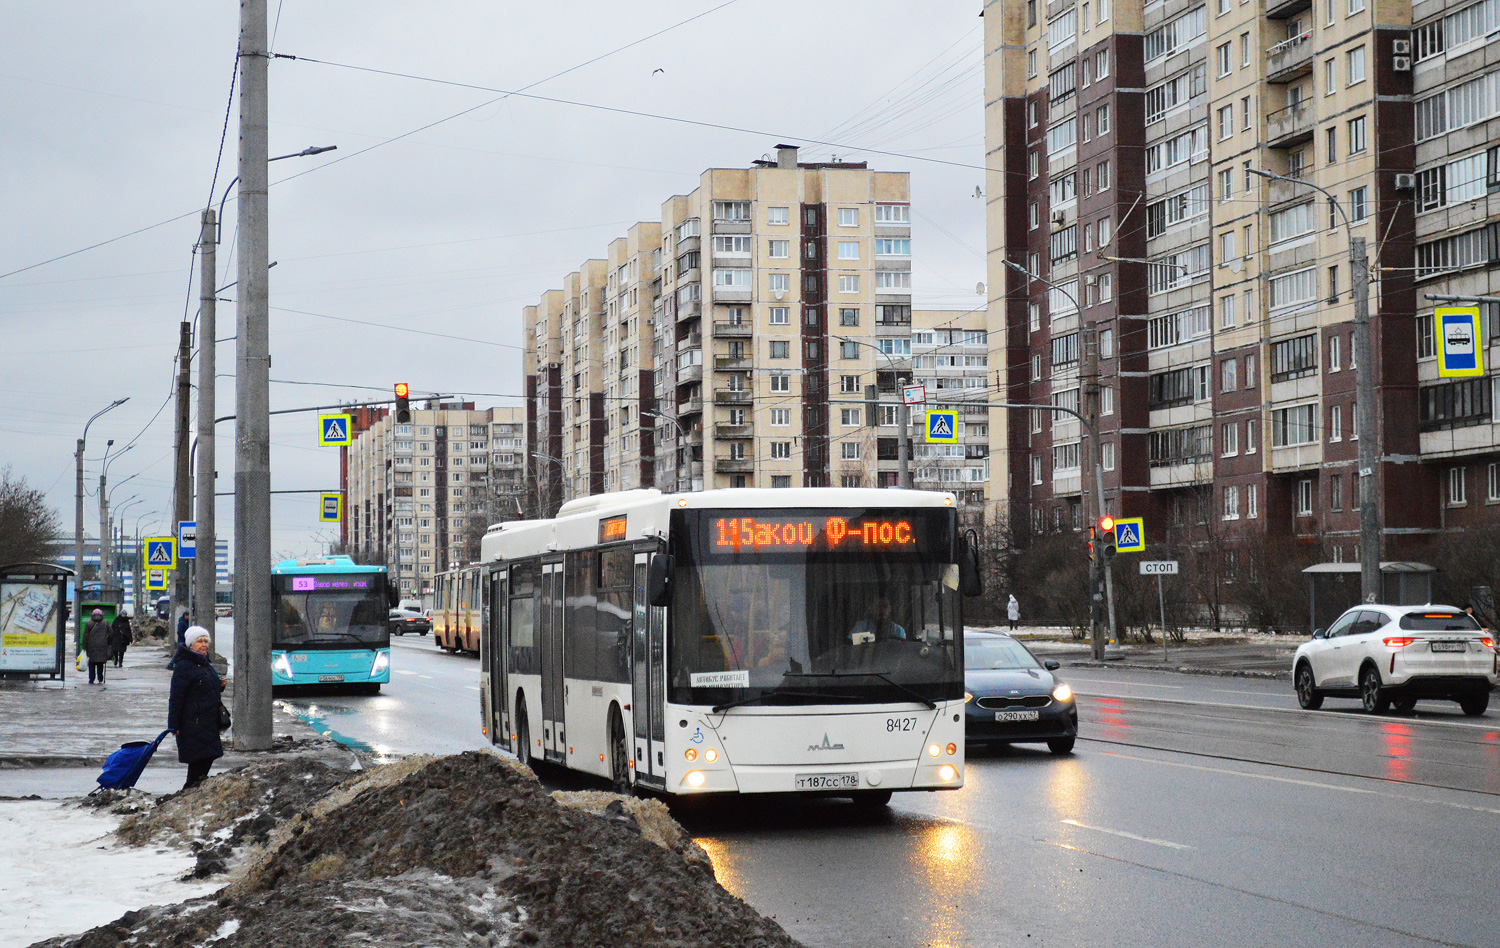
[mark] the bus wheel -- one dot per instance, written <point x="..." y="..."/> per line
<point x="619" y="755"/>
<point x="523" y="740"/>
<point x="871" y="799"/>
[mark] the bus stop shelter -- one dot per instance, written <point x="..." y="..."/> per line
<point x="33" y="606"/>
<point x="1334" y="587"/>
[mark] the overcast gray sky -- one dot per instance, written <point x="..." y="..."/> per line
<point x="112" y="120"/>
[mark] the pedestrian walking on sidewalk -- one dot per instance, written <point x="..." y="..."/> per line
<point x="96" y="644"/>
<point x="1013" y="612"/>
<point x="120" y="638"/>
<point x="182" y="627"/>
<point x="193" y="710"/>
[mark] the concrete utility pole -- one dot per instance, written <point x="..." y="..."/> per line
<point x="78" y="508"/>
<point x="182" y="490"/>
<point x="252" y="456"/>
<point x="205" y="578"/>
<point x="103" y="526"/>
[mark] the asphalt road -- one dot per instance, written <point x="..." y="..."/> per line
<point x="1196" y="811"/>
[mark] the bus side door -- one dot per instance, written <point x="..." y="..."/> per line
<point x="494" y="649"/>
<point x="648" y="624"/>
<point x="550" y="635"/>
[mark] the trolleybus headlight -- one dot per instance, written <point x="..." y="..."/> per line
<point x="710" y="755"/>
<point x="381" y="663"/>
<point x="283" y="665"/>
<point x="947" y="773"/>
<point x="933" y="750"/>
<point x="1062" y="692"/>
<point x="694" y="778"/>
<point x="691" y="753"/>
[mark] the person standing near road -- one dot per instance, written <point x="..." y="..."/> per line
<point x="96" y="643"/>
<point x="182" y="627"/>
<point x="193" y="708"/>
<point x="120" y="638"/>
<point x="1013" y="612"/>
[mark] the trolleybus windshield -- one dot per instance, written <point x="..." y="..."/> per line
<point x="331" y="610"/>
<point x="815" y="606"/>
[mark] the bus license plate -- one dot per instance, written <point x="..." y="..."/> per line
<point x="1028" y="715"/>
<point x="1450" y="646"/>
<point x="828" y="781"/>
<point x="330" y="678"/>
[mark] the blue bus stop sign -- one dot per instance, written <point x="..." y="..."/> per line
<point x="1460" y="345"/>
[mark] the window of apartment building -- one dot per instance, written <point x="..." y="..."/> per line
<point x="731" y="211"/>
<point x="1036" y="468"/>
<point x="1032" y="114"/>
<point x="781" y="450"/>
<point x="780" y="316"/>
<point x="1106" y="343"/>
<point x="1458" y="493"/>
<point x="1226" y="248"/>
<point x="1229" y="372"/>
<point x="403" y="431"/>
<point x="1293" y="426"/>
<point x="1105" y="231"/>
<point x="1226" y="122"/>
<point x="1189" y="145"/>
<point x="1492" y="492"/>
<point x="779" y="249"/>
<point x="1354" y="65"/>
<point x="1226" y="312"/>
<point x="1426" y="344"/>
<point x="1033" y="164"/>
<point x="849" y="249"/>
<point x="1305" y="497"/>
<point x="1223" y="7"/>
<point x="848" y="315"/>
<point x="1245" y="113"/>
<point x="849" y="450"/>
<point x="1036" y="376"/>
<point x="1064" y="350"/>
<point x="1106" y="400"/>
<point x="737" y="450"/>
<point x="1252" y="436"/>
<point x="1061" y="29"/>
<point x="781" y="382"/>
<point x="1101" y="58"/>
<point x="1331" y="144"/>
<point x="1031" y="64"/>
<point x="1244" y="50"/>
<point x="780" y="349"/>
<point x="1294" y="358"/>
<point x="1292" y="289"/>
<point x="1062" y="136"/>
<point x="1103" y="119"/>
<point x="1355" y="6"/>
<point x="1231" y="502"/>
<point x="849" y="283"/>
<point x="732" y="246"/>
<point x="776" y="215"/>
<point x="1033" y="317"/>
<point x="781" y="417"/>
<point x="892" y="247"/>
<point x="1336" y="423"/>
<point x="1176" y="91"/>
<point x="1357" y="142"/>
<point x="1101" y="175"/>
<point x="848" y="217"/>
<point x="779" y="283"/>
<point x="1292" y="222"/>
<point x="1177" y="34"/>
<point x="893" y="213"/>
<point x="736" y="279"/>
<point x="1223" y="56"/>
<point x="1178" y="387"/>
<point x="892" y="280"/>
<point x="1231" y="439"/>
<point x="1107" y="455"/>
<point x="887" y="416"/>
<point x="850" y="417"/>
<point x="1335" y="492"/>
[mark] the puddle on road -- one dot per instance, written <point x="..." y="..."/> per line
<point x="312" y="716"/>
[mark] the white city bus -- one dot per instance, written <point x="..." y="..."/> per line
<point x="750" y="641"/>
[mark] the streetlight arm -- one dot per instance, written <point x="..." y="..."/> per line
<point x="1273" y="176"/>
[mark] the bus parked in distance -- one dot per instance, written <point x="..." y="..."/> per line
<point x="331" y="624"/>
<point x="456" y="609"/>
<point x="733" y="641"/>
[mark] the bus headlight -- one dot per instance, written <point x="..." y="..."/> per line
<point x="282" y="665"/>
<point x="381" y="663"/>
<point x="947" y="773"/>
<point x="710" y="755"/>
<point x="694" y="778"/>
<point x="933" y="750"/>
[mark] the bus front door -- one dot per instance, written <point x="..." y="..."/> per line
<point x="554" y="728"/>
<point x="494" y="652"/>
<point x="647" y="679"/>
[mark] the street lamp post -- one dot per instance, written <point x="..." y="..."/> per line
<point x="681" y="431"/>
<point x="105" y="540"/>
<point x="1364" y="400"/>
<point x="903" y="416"/>
<point x="78" y="504"/>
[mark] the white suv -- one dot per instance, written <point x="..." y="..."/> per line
<point x="1387" y="655"/>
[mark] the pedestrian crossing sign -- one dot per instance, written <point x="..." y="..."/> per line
<point x="161" y="553"/>
<point x="156" y="579"/>
<point x="942" y="427"/>
<point x="1130" y="535"/>
<point x="332" y="508"/>
<point x="334" y="431"/>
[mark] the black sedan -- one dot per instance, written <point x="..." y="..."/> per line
<point x="402" y="621"/>
<point x="1011" y="698"/>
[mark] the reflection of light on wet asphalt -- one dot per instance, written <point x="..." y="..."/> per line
<point x="1112" y="713"/>
<point x="945" y="856"/>
<point x="723" y="862"/>
<point x="1396" y="739"/>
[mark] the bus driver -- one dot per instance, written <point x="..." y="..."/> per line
<point x="877" y="625"/>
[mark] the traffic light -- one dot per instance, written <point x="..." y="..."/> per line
<point x="403" y="408"/>
<point x="1106" y="537"/>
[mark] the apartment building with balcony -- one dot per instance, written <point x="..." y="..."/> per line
<point x="1203" y="314"/>
<point x="630" y="405"/>
<point x="950" y="358"/>
<point x="415" y="490"/>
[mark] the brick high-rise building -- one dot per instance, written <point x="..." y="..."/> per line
<point x="1203" y="314"/>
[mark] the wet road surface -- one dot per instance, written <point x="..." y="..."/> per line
<point x="1196" y="812"/>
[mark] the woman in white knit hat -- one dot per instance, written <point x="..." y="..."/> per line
<point x="193" y="713"/>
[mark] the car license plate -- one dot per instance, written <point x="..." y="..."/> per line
<point x="330" y="677"/>
<point x="1027" y="715"/>
<point x="1450" y="646"/>
<point x="828" y="781"/>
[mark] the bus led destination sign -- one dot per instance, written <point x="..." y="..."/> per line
<point x="811" y="533"/>
<point x="324" y="583"/>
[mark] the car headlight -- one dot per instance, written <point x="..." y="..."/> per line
<point x="381" y="663"/>
<point x="1062" y="692"/>
<point x="283" y="665"/>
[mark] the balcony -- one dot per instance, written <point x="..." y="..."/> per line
<point x="690" y="373"/>
<point x="1290" y="59"/>
<point x="692" y="309"/>
<point x="733" y="398"/>
<point x="1283" y="9"/>
<point x="728" y="330"/>
<point x="733" y="466"/>
<point x="1289" y="127"/>
<point x="690" y="406"/>
<point x="733" y="363"/>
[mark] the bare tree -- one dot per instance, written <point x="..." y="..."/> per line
<point x="27" y="523"/>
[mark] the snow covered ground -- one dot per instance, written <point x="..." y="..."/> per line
<point x="62" y="871"/>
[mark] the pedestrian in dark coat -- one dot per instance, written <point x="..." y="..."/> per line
<point x="182" y="627"/>
<point x="193" y="710"/>
<point x="120" y="638"/>
<point x="96" y="644"/>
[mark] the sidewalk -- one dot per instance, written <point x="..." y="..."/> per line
<point x="72" y="724"/>
<point x="1202" y="653"/>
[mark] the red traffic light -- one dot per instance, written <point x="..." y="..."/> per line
<point x="402" y="389"/>
<point x="1107" y="524"/>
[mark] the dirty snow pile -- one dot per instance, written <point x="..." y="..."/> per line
<point x="465" y="850"/>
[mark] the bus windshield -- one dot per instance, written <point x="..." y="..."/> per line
<point x="331" y="611"/>
<point x="815" y="617"/>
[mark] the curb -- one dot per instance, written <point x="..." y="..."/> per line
<point x="1187" y="670"/>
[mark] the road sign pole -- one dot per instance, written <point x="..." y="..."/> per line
<point x="1161" y="602"/>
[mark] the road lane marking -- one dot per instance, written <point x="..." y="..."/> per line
<point x="1327" y="715"/>
<point x="1127" y="684"/>
<point x="1140" y="839"/>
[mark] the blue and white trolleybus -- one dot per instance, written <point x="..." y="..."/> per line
<point x="330" y="624"/>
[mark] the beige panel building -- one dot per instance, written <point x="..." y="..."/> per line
<point x="416" y="491"/>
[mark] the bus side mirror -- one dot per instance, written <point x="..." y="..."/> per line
<point x="970" y="582"/>
<point x="659" y="579"/>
